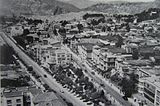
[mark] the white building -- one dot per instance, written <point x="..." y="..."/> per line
<point x="85" y="50"/>
<point x="152" y="90"/>
<point x="12" y="99"/>
<point x="107" y="60"/>
<point x="96" y="54"/>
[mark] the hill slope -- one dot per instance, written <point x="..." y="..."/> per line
<point x="80" y="3"/>
<point x="122" y="7"/>
<point x="39" y="7"/>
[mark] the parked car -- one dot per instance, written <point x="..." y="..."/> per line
<point x="93" y="73"/>
<point x="45" y="75"/>
<point x="125" y="98"/>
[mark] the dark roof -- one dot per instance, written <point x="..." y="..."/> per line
<point x="116" y="50"/>
<point x="139" y="62"/>
<point x="48" y="97"/>
<point x="108" y="37"/>
<point x="157" y="57"/>
<point x="146" y="49"/>
<point x="13" y="94"/>
<point x="33" y="90"/>
<point x="88" y="46"/>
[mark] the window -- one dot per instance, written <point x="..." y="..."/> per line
<point x="18" y="100"/>
<point x="149" y="98"/>
<point x="9" y="101"/>
<point x="63" y="59"/>
<point x="158" y="93"/>
<point x="68" y="55"/>
<point x="18" y="105"/>
<point x="68" y="59"/>
<point x="157" y="99"/>
<point x="149" y="92"/>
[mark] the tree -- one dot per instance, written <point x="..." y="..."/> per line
<point x="80" y="27"/>
<point x="79" y="73"/>
<point x="128" y="85"/>
<point x="108" y="28"/>
<point x="55" y="32"/>
<point x="94" y="22"/>
<point x="128" y="28"/>
<point x="62" y="31"/>
<point x="135" y="53"/>
<point x="25" y="32"/>
<point x="120" y="41"/>
<point x="103" y="29"/>
<point x="64" y="23"/>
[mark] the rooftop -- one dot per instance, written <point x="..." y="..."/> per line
<point x="32" y="89"/>
<point x="138" y="62"/>
<point x="108" y="37"/>
<point x="49" y="99"/>
<point x="155" y="80"/>
<point x="11" y="94"/>
<point x="33" y="35"/>
<point x="116" y="50"/>
<point x="88" y="46"/>
<point x="152" y="70"/>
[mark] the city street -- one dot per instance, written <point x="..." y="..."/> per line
<point x="49" y="80"/>
<point x="97" y="79"/>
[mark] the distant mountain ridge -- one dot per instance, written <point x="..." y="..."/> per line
<point x="123" y="7"/>
<point x="55" y="7"/>
<point x="36" y="7"/>
<point x="80" y="3"/>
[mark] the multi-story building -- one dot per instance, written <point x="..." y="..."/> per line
<point x="146" y="74"/>
<point x="152" y="90"/>
<point x="107" y="60"/>
<point x="30" y="96"/>
<point x="13" y="98"/>
<point x="62" y="57"/>
<point x="127" y="66"/>
<point x="57" y="57"/>
<point x="96" y="54"/>
<point x="85" y="50"/>
<point x="105" y="57"/>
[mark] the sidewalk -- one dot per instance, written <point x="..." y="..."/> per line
<point x="101" y="77"/>
<point x="32" y="77"/>
<point x="112" y="86"/>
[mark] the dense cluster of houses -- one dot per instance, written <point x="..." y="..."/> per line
<point x="113" y="47"/>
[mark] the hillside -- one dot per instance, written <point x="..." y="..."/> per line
<point x="80" y="3"/>
<point x="121" y="7"/>
<point x="36" y="7"/>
